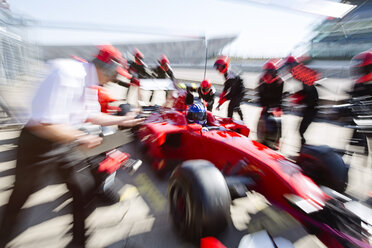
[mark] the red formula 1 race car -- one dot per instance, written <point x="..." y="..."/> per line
<point x="169" y="139"/>
<point x="221" y="163"/>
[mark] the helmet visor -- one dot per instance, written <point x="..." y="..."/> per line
<point x="164" y="66"/>
<point x="111" y="69"/>
<point x="219" y="67"/>
<point x="205" y="90"/>
<point x="139" y="61"/>
<point x="197" y="116"/>
<point x="357" y="71"/>
<point x="271" y="71"/>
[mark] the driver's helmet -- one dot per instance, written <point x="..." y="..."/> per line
<point x="197" y="114"/>
<point x="205" y="86"/>
<point x="222" y="64"/>
<point x="164" y="62"/>
<point x="138" y="56"/>
<point x="361" y="67"/>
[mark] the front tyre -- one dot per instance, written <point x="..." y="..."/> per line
<point x="199" y="200"/>
<point x="324" y="166"/>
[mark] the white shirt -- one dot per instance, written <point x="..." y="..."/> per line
<point x="64" y="97"/>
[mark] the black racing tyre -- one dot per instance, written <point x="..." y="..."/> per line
<point x="199" y="200"/>
<point x="269" y="130"/>
<point x="324" y="166"/>
<point x="261" y="130"/>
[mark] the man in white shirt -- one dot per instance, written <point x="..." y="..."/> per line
<point x="62" y="104"/>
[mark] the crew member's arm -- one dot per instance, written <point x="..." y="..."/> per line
<point x="199" y="93"/>
<point x="65" y="134"/>
<point x="298" y="97"/>
<point x="170" y="74"/>
<point x="154" y="72"/>
<point x="128" y="120"/>
<point x="223" y="98"/>
<point x="145" y="72"/>
<point x="281" y="91"/>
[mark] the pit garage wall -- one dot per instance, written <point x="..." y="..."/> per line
<point x="337" y="50"/>
<point x="346" y="37"/>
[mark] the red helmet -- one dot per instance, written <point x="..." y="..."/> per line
<point x="206" y="86"/>
<point x="291" y="60"/>
<point x="109" y="53"/>
<point x="222" y="63"/>
<point x="112" y="58"/>
<point x="138" y="54"/>
<point x="361" y="67"/>
<point x="164" y="63"/>
<point x="270" y="70"/>
<point x="163" y="60"/>
<point x="269" y="65"/>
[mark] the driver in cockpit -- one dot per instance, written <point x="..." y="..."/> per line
<point x="197" y="114"/>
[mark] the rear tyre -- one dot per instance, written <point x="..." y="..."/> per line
<point x="269" y="131"/>
<point x="199" y="200"/>
<point x="324" y="166"/>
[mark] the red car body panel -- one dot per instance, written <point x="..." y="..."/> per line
<point x="274" y="174"/>
<point x="113" y="161"/>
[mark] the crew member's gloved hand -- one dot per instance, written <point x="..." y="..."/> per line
<point x="297" y="98"/>
<point x="132" y="120"/>
<point x="133" y="113"/>
<point x="135" y="81"/>
<point x="278" y="112"/>
<point x="286" y="93"/>
<point x="88" y="141"/>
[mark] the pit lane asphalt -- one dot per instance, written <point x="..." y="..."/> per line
<point x="141" y="218"/>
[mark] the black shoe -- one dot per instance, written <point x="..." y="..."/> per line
<point x="76" y="244"/>
<point x="109" y="196"/>
<point x="79" y="238"/>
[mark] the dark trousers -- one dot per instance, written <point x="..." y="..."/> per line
<point x="126" y="85"/>
<point x="210" y="105"/>
<point x="36" y="158"/>
<point x="234" y="105"/>
<point x="153" y="92"/>
<point x="127" y="93"/>
<point x="151" y="96"/>
<point x="308" y="116"/>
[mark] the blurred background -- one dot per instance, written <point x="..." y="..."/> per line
<point x="191" y="33"/>
<point x="325" y="34"/>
